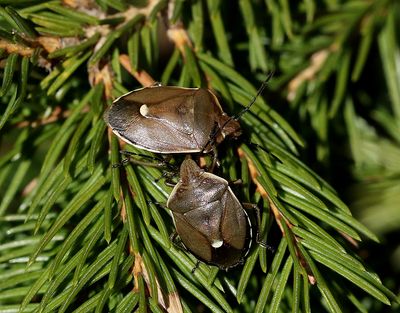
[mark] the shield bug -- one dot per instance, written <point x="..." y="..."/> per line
<point x="209" y="219"/>
<point x="166" y="119"/>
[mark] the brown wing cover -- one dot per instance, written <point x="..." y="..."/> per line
<point x="176" y="120"/>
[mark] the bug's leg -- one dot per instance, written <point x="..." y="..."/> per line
<point x="154" y="161"/>
<point x="169" y="176"/>
<point x="129" y="154"/>
<point x="122" y="163"/>
<point x="215" y="161"/>
<point x="177" y="242"/>
<point x="173" y="237"/>
<point x="211" y="143"/>
<point x="196" y="266"/>
<point x="169" y="182"/>
<point x="156" y="84"/>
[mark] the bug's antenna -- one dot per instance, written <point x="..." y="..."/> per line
<point x="235" y="118"/>
<point x="259" y="92"/>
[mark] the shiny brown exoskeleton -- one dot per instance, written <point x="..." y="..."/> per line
<point x="209" y="219"/>
<point x="166" y="119"/>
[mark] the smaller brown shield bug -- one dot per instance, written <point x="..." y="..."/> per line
<point x="209" y="219"/>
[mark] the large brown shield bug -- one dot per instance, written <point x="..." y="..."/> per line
<point x="167" y="119"/>
<point x="209" y="219"/>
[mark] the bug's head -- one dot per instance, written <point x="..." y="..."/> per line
<point x="225" y="127"/>
<point x="228" y="127"/>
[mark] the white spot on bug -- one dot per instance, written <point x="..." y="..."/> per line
<point x="217" y="243"/>
<point x="144" y="110"/>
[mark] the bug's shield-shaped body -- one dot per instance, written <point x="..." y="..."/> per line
<point x="209" y="219"/>
<point x="167" y="119"/>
